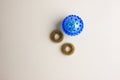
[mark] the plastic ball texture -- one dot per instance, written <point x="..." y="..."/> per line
<point x="72" y="25"/>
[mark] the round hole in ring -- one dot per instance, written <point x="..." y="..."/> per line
<point x="57" y="36"/>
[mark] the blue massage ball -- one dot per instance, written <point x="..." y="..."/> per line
<point x="72" y="25"/>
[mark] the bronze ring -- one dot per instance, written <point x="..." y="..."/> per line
<point x="56" y="36"/>
<point x="64" y="48"/>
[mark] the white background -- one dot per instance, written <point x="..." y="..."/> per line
<point x="26" y="52"/>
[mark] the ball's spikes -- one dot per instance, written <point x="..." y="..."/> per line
<point x="72" y="25"/>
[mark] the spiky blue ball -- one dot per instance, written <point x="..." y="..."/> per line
<point x="72" y="25"/>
